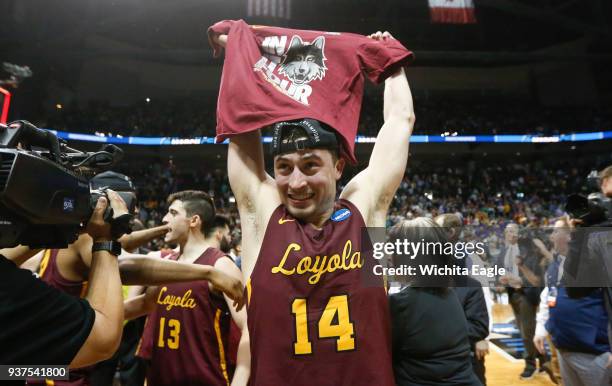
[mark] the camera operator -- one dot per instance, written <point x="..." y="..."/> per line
<point x="42" y="325"/>
<point x="588" y="267"/>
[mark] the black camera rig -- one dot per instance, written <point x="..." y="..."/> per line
<point x="45" y="195"/>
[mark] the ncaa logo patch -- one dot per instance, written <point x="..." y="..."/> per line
<point x="341" y="215"/>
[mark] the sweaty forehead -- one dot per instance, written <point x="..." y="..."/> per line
<point x="300" y="155"/>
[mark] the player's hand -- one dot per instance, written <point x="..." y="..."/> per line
<point x="482" y="349"/>
<point x="381" y="36"/>
<point x="220" y="39"/>
<point x="538" y="341"/>
<point x="228" y="285"/>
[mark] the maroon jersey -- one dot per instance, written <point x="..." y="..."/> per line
<point x="50" y="274"/>
<point x="274" y="74"/>
<point x="186" y="336"/>
<point x="314" y="318"/>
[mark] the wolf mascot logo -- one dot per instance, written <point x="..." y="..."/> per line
<point x="303" y="61"/>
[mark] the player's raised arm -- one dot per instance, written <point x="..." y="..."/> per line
<point x="373" y="189"/>
<point x="245" y="169"/>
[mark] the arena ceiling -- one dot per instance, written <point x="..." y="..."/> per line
<point x="174" y="31"/>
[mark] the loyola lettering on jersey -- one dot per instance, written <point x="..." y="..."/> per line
<point x="168" y="300"/>
<point x="319" y="265"/>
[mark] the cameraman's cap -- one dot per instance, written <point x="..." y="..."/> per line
<point x="317" y="134"/>
<point x="112" y="180"/>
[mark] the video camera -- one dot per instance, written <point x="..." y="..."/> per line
<point x="593" y="209"/>
<point x="45" y="194"/>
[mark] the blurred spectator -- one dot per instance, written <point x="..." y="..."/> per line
<point x="429" y="328"/>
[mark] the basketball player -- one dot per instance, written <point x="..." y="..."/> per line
<point x="67" y="270"/>
<point x="186" y="337"/>
<point x="311" y="319"/>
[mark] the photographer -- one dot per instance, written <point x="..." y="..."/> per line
<point x="588" y="267"/>
<point x="41" y="325"/>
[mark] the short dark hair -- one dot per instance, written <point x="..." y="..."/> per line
<point x="197" y="202"/>
<point x="220" y="221"/>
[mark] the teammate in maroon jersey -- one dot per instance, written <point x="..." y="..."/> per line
<point x="186" y="336"/>
<point x="312" y="320"/>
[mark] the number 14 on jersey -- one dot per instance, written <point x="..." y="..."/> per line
<point x="334" y="322"/>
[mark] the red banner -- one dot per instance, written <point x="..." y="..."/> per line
<point x="452" y="11"/>
<point x="5" y="100"/>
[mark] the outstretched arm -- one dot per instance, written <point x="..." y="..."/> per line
<point x="144" y="270"/>
<point x="139" y="238"/>
<point x="140" y="305"/>
<point x="19" y="254"/>
<point x="373" y="189"/>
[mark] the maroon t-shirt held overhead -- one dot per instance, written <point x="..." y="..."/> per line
<point x="274" y="74"/>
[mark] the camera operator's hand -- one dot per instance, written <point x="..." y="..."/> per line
<point x="573" y="222"/>
<point x="98" y="229"/>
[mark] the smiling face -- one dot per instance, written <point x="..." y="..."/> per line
<point x="306" y="181"/>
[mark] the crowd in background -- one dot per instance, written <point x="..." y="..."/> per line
<point x="189" y="117"/>
<point x="484" y="193"/>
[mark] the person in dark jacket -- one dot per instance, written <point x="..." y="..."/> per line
<point x="429" y="329"/>
<point x="472" y="298"/>
<point x="473" y="303"/>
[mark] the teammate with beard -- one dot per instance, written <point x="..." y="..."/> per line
<point x="186" y="336"/>
<point x="223" y="234"/>
<point x="312" y="320"/>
